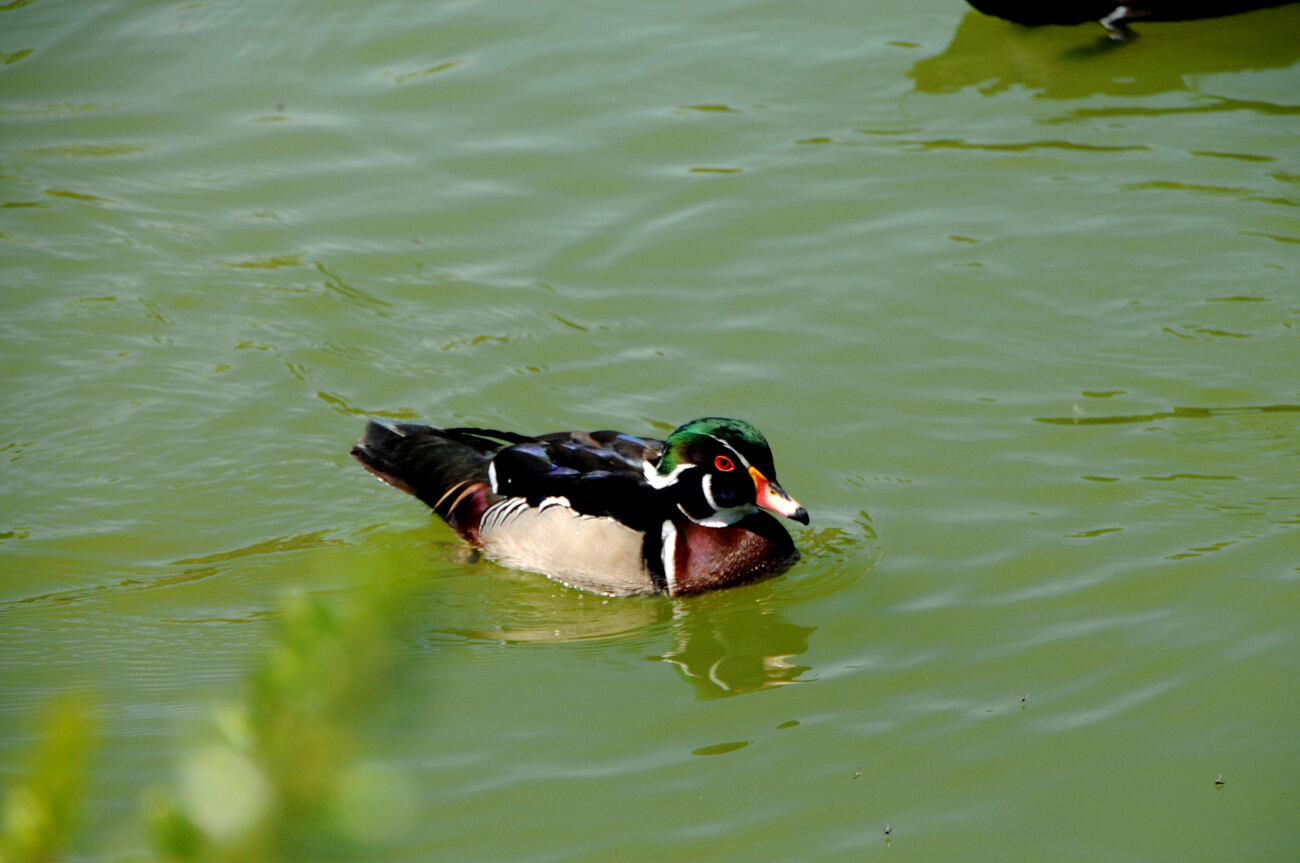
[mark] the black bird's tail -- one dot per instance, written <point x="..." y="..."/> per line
<point x="445" y="468"/>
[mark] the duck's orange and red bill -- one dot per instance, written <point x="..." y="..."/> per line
<point x="771" y="497"/>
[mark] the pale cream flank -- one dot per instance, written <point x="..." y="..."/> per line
<point x="591" y="552"/>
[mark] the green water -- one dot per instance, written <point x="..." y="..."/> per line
<point x="1018" y="315"/>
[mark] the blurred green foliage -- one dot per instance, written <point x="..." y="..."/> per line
<point x="40" y="808"/>
<point x="283" y="775"/>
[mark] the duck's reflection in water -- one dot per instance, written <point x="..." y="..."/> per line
<point x="725" y="643"/>
<point x="1064" y="63"/>
<point x="737" y="650"/>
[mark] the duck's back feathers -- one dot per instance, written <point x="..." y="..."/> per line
<point x="629" y="449"/>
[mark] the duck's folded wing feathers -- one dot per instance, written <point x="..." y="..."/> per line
<point x="592" y="480"/>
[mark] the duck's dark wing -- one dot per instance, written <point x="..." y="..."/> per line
<point x="599" y="473"/>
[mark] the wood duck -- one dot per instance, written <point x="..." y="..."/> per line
<point x="1115" y="16"/>
<point x="603" y="511"/>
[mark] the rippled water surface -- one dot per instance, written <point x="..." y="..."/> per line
<point x="1016" y="310"/>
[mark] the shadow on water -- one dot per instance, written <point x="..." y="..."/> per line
<point x="1075" y="62"/>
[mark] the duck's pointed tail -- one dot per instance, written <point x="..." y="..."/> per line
<point x="445" y="468"/>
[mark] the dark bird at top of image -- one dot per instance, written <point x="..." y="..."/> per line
<point x="1115" y="17"/>
<point x="602" y="511"/>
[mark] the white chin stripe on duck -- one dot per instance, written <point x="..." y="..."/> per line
<point x="723" y="516"/>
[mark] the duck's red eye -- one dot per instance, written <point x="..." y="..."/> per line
<point x="724" y="464"/>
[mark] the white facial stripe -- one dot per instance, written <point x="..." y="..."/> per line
<point x="492" y="477"/>
<point x="668" y="554"/>
<point x="706" y="486"/>
<point x="658" y="480"/>
<point x="723" y="516"/>
<point x="742" y="459"/>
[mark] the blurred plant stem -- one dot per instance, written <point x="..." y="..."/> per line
<point x="40" y="808"/>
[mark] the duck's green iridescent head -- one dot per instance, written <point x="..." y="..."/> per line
<point x="729" y="463"/>
<point x="737" y="433"/>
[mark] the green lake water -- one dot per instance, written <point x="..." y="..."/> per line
<point x="1017" y="312"/>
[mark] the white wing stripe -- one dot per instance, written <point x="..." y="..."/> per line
<point x="500" y="514"/>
